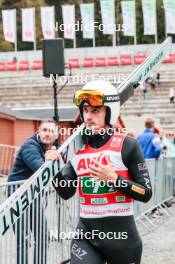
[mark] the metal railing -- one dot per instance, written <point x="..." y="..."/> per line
<point x="42" y="233"/>
<point x="7" y="188"/>
<point x="161" y="174"/>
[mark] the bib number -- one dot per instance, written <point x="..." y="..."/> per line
<point x="90" y="185"/>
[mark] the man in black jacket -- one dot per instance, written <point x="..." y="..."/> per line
<point x="35" y="151"/>
<point x="30" y="157"/>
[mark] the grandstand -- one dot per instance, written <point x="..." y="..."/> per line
<point x="25" y="89"/>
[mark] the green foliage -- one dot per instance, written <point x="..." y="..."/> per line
<point x="100" y="39"/>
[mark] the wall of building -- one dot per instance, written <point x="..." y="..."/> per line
<point x="22" y="130"/>
<point x="6" y="131"/>
<point x="15" y="131"/>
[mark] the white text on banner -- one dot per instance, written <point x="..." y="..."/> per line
<point x="87" y="16"/>
<point x="9" y="25"/>
<point x="47" y="22"/>
<point x="149" y="17"/>
<point x="28" y="24"/>
<point x="129" y="17"/>
<point x="108" y="16"/>
<point x="169" y="7"/>
<point x="68" y="12"/>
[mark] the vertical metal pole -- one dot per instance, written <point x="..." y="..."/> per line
<point x="135" y="40"/>
<point x="117" y="21"/>
<point x="93" y="29"/>
<point x="114" y="26"/>
<point x="74" y="41"/>
<point x="15" y="33"/>
<point x="34" y="43"/>
<point x="156" y="27"/>
<point x="114" y="39"/>
<point x="166" y="35"/>
<point x="165" y="20"/>
<point x="56" y="116"/>
<point x="94" y="40"/>
<point x="135" y="21"/>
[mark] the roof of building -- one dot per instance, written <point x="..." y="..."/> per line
<point x="66" y="113"/>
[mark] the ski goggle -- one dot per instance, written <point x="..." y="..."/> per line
<point x="92" y="97"/>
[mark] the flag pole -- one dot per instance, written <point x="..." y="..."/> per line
<point x="34" y="43"/>
<point x="15" y="44"/>
<point x="135" y="35"/>
<point x="156" y="26"/>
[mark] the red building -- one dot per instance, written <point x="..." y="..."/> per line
<point x="17" y="125"/>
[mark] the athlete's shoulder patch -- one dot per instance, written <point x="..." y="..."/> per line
<point x="137" y="189"/>
<point x="142" y="166"/>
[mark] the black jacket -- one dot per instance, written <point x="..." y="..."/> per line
<point x="29" y="159"/>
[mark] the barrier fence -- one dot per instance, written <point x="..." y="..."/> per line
<point x="42" y="233"/>
<point x="161" y="173"/>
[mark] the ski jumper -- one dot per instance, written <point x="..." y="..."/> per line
<point x="106" y="230"/>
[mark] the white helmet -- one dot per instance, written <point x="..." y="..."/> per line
<point x="111" y="99"/>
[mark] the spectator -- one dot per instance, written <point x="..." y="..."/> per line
<point x="171" y="95"/>
<point x="31" y="155"/>
<point x="152" y="81"/>
<point x="149" y="141"/>
<point x="14" y="59"/>
<point x="144" y="87"/>
<point x="168" y="150"/>
<point x="35" y="151"/>
<point x="157" y="131"/>
<point x="152" y="84"/>
<point x="131" y="133"/>
<point x="158" y="78"/>
<point x="170" y="147"/>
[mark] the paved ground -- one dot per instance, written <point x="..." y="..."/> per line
<point x="159" y="245"/>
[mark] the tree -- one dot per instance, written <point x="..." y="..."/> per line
<point x="18" y="4"/>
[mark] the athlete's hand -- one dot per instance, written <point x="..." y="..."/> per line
<point x="103" y="172"/>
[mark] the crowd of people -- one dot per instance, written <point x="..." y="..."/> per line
<point x="154" y="143"/>
<point x="152" y="83"/>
